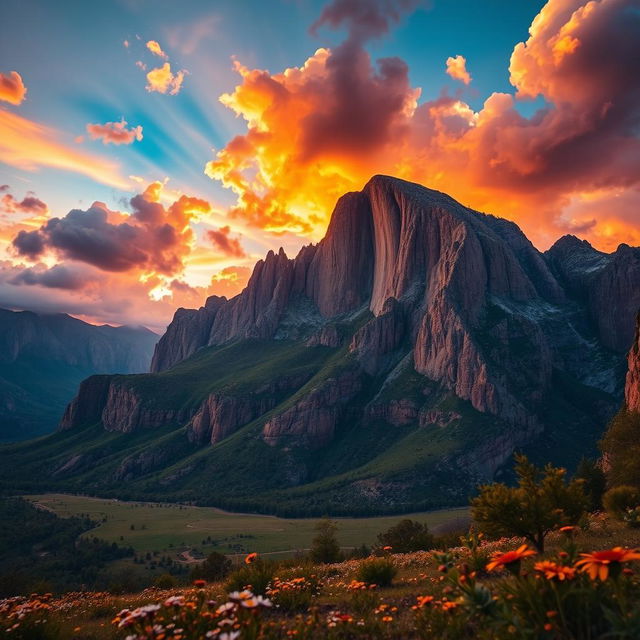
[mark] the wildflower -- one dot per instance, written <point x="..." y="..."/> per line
<point x="501" y="560"/>
<point x="553" y="571"/>
<point x="174" y="601"/>
<point x="569" y="529"/>
<point x="387" y="548"/>
<point x="423" y="600"/>
<point x="199" y="584"/>
<point x="252" y="557"/>
<point x="237" y="596"/>
<point x="598" y="563"/>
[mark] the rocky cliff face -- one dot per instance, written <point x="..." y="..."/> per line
<point x="632" y="385"/>
<point x="429" y="270"/>
<point x="607" y="283"/>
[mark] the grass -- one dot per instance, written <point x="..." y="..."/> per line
<point x="169" y="528"/>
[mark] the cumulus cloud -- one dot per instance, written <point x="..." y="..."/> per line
<point x="309" y="124"/>
<point x="457" y="69"/>
<point x="30" y="204"/>
<point x="153" y="239"/>
<point x="12" y="89"/>
<point x="222" y="239"/>
<point x="163" y="80"/>
<point x="156" y="49"/>
<point x="114" y="132"/>
<point x="323" y="128"/>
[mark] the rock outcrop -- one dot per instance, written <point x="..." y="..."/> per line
<point x="609" y="285"/>
<point x="632" y="384"/>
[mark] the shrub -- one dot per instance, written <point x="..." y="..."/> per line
<point x="595" y="482"/>
<point x="255" y="577"/>
<point x="324" y="547"/>
<point x="165" y="581"/>
<point x="622" y="448"/>
<point x="294" y="590"/>
<point x="407" y="536"/>
<point x="617" y="500"/>
<point x="541" y="502"/>
<point x="215" y="567"/>
<point x="378" y="571"/>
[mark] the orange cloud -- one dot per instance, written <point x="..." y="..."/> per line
<point x="12" y="89"/>
<point x="29" y="145"/>
<point x="152" y="240"/>
<point x="323" y="128"/>
<point x="222" y="239"/>
<point x="163" y="80"/>
<point x="156" y="49"/>
<point x="457" y="69"/>
<point x="114" y="132"/>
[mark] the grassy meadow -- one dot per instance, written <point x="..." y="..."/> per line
<point x="172" y="528"/>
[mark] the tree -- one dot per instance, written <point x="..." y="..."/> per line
<point x="215" y="567"/>
<point x="595" y="482"/>
<point x="621" y="446"/>
<point x="325" y="547"/>
<point x="541" y="502"/>
<point x="407" y="536"/>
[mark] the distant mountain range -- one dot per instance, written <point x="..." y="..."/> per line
<point x="43" y="359"/>
<point x="390" y="367"/>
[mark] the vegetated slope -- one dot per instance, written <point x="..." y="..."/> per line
<point x="43" y="359"/>
<point x="390" y="367"/>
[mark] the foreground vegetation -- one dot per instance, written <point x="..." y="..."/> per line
<point x="479" y="589"/>
<point x="542" y="560"/>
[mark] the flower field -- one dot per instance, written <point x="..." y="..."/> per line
<point x="587" y="585"/>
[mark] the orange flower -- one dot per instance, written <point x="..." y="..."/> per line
<point x="387" y="548"/>
<point x="199" y="583"/>
<point x="252" y="557"/>
<point x="423" y="600"/>
<point x="553" y="571"/>
<point x="598" y="563"/>
<point x="568" y="529"/>
<point x="500" y="560"/>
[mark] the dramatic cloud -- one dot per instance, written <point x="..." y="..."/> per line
<point x="152" y="240"/>
<point x="156" y="49"/>
<point x="114" y="132"/>
<point x="163" y="80"/>
<point x="308" y="125"/>
<point x="223" y="241"/>
<point x="29" y="204"/>
<point x="12" y="89"/>
<point x="325" y="127"/>
<point x="457" y="69"/>
<point x="29" y="145"/>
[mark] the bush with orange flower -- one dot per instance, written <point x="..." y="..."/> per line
<point x="541" y="502"/>
<point x="255" y="574"/>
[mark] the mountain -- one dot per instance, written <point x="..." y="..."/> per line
<point x="43" y="359"/>
<point x="390" y="367"/>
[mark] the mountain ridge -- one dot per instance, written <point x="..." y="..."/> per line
<point x="391" y="366"/>
<point x="43" y="358"/>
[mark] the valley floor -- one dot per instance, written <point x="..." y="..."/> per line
<point x="175" y="529"/>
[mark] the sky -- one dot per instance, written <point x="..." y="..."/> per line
<point x="151" y="151"/>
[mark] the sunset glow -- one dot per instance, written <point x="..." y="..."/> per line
<point x="152" y="164"/>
